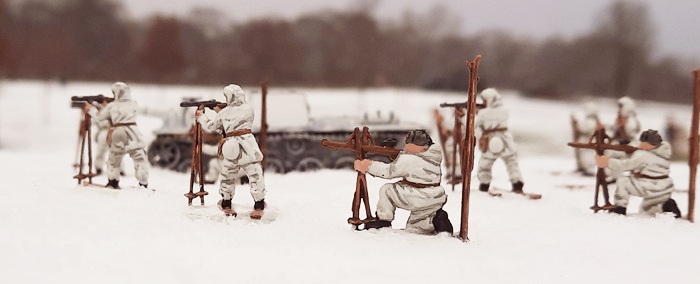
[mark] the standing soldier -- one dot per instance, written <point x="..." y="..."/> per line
<point x="626" y="128"/>
<point x="123" y="136"/>
<point x="419" y="191"/>
<point x="239" y="150"/>
<point x="586" y="128"/>
<point x="495" y="141"/>
<point x="649" y="168"/>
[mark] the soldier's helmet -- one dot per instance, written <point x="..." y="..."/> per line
<point x="121" y="91"/>
<point x="419" y="137"/>
<point x="651" y="136"/>
<point x="491" y="97"/>
<point x="234" y="94"/>
<point x="626" y="104"/>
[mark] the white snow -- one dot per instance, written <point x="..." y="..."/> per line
<point x="55" y="231"/>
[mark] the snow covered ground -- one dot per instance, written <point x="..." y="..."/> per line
<point x="54" y="231"/>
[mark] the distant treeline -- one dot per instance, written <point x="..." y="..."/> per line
<point x="95" y="40"/>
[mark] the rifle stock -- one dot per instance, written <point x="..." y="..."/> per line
<point x="208" y="104"/>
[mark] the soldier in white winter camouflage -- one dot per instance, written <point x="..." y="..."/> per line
<point x="239" y="151"/>
<point x="123" y="135"/>
<point x="649" y="168"/>
<point x="419" y="191"/>
<point x="495" y="141"/>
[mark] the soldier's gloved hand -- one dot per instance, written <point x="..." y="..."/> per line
<point x="362" y="165"/>
<point x="198" y="113"/>
<point x="602" y="161"/>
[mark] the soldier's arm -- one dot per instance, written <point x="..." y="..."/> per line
<point x="211" y="125"/>
<point x="387" y="171"/>
<point x="623" y="165"/>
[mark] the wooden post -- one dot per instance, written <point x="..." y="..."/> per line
<point x="693" y="155"/>
<point x="85" y="136"/>
<point x="197" y="167"/>
<point x="262" y="136"/>
<point x="467" y="149"/>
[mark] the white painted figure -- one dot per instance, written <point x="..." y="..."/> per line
<point x="419" y="191"/>
<point x="648" y="176"/>
<point x="239" y="150"/>
<point x="123" y="135"/>
<point x="495" y="141"/>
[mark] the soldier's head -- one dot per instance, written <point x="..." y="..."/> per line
<point x="121" y="91"/>
<point x="625" y="105"/>
<point x="234" y="95"/>
<point x="491" y="97"/>
<point x="418" y="141"/>
<point x="651" y="138"/>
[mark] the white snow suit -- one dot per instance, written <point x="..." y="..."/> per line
<point x="101" y="140"/>
<point x="626" y="125"/>
<point x="648" y="178"/>
<point x="494" y="139"/>
<point x="123" y="136"/>
<point x="240" y="152"/>
<point x="419" y="191"/>
<point x="586" y="127"/>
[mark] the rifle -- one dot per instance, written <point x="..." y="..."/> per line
<point x="202" y="104"/>
<point x="601" y="142"/>
<point x="361" y="143"/>
<point x="90" y="99"/>
<point x="463" y="105"/>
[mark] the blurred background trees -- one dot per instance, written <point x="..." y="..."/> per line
<point x="95" y="40"/>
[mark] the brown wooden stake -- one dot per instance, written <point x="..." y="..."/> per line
<point x="197" y="166"/>
<point x="693" y="155"/>
<point x="467" y="149"/>
<point x="262" y="136"/>
<point x="85" y="138"/>
<point x="361" y="143"/>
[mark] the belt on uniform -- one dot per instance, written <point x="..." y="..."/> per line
<point x="111" y="129"/>
<point x="418" y="185"/>
<point x="641" y="175"/>
<point x="234" y="133"/>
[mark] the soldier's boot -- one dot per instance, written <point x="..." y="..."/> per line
<point x="671" y="206"/>
<point x="442" y="223"/>
<point x="144" y="185"/>
<point x="113" y="183"/>
<point x="377" y="224"/>
<point x="484" y="187"/>
<point x="618" y="210"/>
<point x="518" y="187"/>
<point x="258" y="209"/>
<point x="98" y="171"/>
<point x="225" y="205"/>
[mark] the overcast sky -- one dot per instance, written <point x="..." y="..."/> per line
<point x="677" y="22"/>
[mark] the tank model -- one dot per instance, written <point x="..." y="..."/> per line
<point x="288" y="148"/>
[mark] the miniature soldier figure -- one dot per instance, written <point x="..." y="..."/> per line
<point x="495" y="141"/>
<point x="626" y="128"/>
<point x="123" y="136"/>
<point x="419" y="191"/>
<point x="649" y="167"/>
<point x="239" y="150"/>
<point x="586" y="128"/>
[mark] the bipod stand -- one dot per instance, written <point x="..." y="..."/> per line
<point x="84" y="136"/>
<point x="361" y="144"/>
<point x="197" y="167"/>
